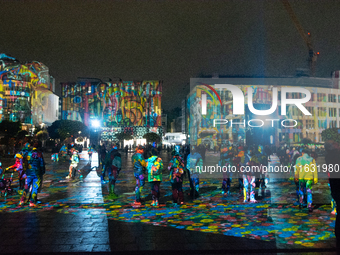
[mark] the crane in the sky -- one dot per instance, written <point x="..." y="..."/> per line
<point x="307" y="37"/>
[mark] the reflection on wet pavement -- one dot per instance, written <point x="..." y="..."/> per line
<point x="273" y="219"/>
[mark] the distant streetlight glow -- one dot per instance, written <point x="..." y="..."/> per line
<point x="95" y="123"/>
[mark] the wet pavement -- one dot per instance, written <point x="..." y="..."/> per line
<point x="76" y="216"/>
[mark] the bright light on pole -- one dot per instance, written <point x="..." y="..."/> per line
<point x="95" y="123"/>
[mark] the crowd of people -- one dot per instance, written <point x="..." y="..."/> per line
<point x="188" y="161"/>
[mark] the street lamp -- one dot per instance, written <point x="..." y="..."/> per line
<point x="95" y="123"/>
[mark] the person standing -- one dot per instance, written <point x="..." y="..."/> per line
<point x="74" y="161"/>
<point x="154" y="169"/>
<point x="195" y="166"/>
<point x="139" y="164"/>
<point x="102" y="158"/>
<point x="307" y="175"/>
<point x="34" y="169"/>
<point x="113" y="167"/>
<point x="177" y="171"/>
<point x="249" y="177"/>
<point x="332" y="158"/>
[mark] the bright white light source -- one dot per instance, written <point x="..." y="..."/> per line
<point x="95" y="123"/>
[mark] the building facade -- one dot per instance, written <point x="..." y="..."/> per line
<point x="26" y="92"/>
<point x="130" y="107"/>
<point x="324" y="107"/>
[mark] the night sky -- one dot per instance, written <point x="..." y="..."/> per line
<point x="169" y="40"/>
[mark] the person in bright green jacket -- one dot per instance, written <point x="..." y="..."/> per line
<point x="306" y="173"/>
<point x="154" y="168"/>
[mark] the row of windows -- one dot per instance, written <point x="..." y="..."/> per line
<point x="321" y="111"/>
<point x="310" y="124"/>
<point x="320" y="97"/>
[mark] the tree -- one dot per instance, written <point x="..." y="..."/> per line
<point x="123" y="136"/>
<point x="9" y="129"/>
<point x="306" y="141"/>
<point x="42" y="136"/>
<point x="22" y="134"/>
<point x="152" y="137"/>
<point x="331" y="134"/>
<point x="62" y="129"/>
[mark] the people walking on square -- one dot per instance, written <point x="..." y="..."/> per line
<point x="154" y="169"/>
<point x="262" y="157"/>
<point x="194" y="167"/>
<point x="294" y="156"/>
<point x="177" y="171"/>
<point x="307" y="175"/>
<point x="113" y="165"/>
<point x="139" y="164"/>
<point x="90" y="151"/>
<point x="226" y="162"/>
<point x="35" y="166"/>
<point x="249" y="176"/>
<point x="74" y="161"/>
<point x="63" y="152"/>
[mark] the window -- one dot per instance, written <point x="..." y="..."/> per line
<point x="299" y="124"/>
<point x="322" y="112"/>
<point x="332" y="112"/>
<point x="312" y="97"/>
<point x="296" y="111"/>
<point x="310" y="109"/>
<point x="332" y="124"/>
<point x="322" y="124"/>
<point x="310" y="124"/>
<point x="332" y="98"/>
<point x="296" y="95"/>
<point x="322" y="97"/>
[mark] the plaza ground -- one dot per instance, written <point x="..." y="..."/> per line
<point x="76" y="216"/>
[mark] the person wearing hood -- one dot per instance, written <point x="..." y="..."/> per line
<point x="307" y="175"/>
<point x="154" y="168"/>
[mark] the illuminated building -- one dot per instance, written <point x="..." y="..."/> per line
<point x="324" y="108"/>
<point x="26" y="93"/>
<point x="130" y="107"/>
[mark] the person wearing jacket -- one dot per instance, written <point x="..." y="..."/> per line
<point x="154" y="169"/>
<point x="139" y="164"/>
<point x="74" y="161"/>
<point x="249" y="177"/>
<point x="195" y="166"/>
<point x="177" y="171"/>
<point x="113" y="165"/>
<point x="307" y="175"/>
<point x="34" y="170"/>
<point x="226" y="160"/>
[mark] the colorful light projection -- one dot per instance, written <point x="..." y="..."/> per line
<point x="24" y="89"/>
<point x="124" y="104"/>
